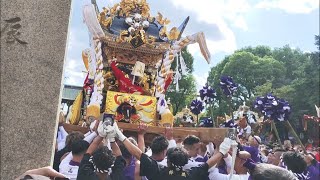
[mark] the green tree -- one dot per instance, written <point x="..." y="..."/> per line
<point x="317" y="43"/>
<point x="183" y="97"/>
<point x="187" y="85"/>
<point x="287" y="73"/>
<point x="248" y="71"/>
<point x="293" y="60"/>
<point x="260" y="51"/>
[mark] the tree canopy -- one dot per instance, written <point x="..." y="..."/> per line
<point x="187" y="85"/>
<point x="288" y="73"/>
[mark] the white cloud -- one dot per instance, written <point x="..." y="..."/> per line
<point x="290" y="6"/>
<point x="201" y="80"/>
<point x="227" y="45"/>
<point x="70" y="81"/>
<point x="71" y="64"/>
<point x="217" y="11"/>
<point x="223" y="14"/>
<point x="240" y="22"/>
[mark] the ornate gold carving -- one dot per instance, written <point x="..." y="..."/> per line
<point x="173" y="34"/>
<point x="103" y="19"/>
<point x="130" y="56"/>
<point x="161" y="20"/>
<point x="129" y="9"/>
<point x="145" y="105"/>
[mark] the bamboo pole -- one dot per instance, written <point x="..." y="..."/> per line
<point x="230" y="107"/>
<point x="295" y="135"/>
<point x="217" y="122"/>
<point x="273" y="125"/>
<point x="211" y="114"/>
<point x="197" y="119"/>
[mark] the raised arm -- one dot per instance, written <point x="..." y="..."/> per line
<point x="169" y="135"/>
<point x="89" y="138"/>
<point x="44" y="171"/>
<point x="223" y="150"/>
<point x="141" y="133"/>
<point x="98" y="139"/>
<point x="94" y="145"/>
<point x="134" y="150"/>
<point x="115" y="149"/>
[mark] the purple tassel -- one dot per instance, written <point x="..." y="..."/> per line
<point x="227" y="85"/>
<point x="196" y="106"/>
<point x="272" y="107"/>
<point x="207" y="94"/>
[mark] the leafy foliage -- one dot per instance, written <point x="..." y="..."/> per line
<point x="187" y="86"/>
<point x="287" y="73"/>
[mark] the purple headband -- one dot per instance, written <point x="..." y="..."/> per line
<point x="256" y="139"/>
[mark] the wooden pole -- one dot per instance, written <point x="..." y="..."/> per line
<point x="197" y="119"/>
<point x="217" y="122"/>
<point x="205" y="134"/>
<point x="295" y="135"/>
<point x="211" y="114"/>
<point x="230" y="107"/>
<point x="276" y="132"/>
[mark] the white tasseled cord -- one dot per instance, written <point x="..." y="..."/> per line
<point x="177" y="76"/>
<point x="183" y="65"/>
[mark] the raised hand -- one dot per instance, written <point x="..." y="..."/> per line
<point x="102" y="131"/>
<point x="119" y="133"/>
<point x="94" y="125"/>
<point x="168" y="133"/>
<point x="142" y="129"/>
<point x="61" y="118"/>
<point x="225" y="146"/>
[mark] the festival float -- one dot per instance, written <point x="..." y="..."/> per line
<point x="129" y="69"/>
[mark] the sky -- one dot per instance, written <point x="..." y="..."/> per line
<point x="228" y="25"/>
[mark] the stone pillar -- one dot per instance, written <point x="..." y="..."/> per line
<point x="33" y="41"/>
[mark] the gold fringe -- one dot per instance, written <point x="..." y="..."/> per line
<point x="93" y="110"/>
<point x="167" y="118"/>
<point x="76" y="110"/>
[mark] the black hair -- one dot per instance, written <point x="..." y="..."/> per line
<point x="170" y="150"/>
<point x="103" y="158"/>
<point x="294" y="161"/>
<point x="79" y="147"/>
<point x="159" y="144"/>
<point x="264" y="171"/>
<point x="178" y="156"/>
<point x="73" y="137"/>
<point x="191" y="140"/>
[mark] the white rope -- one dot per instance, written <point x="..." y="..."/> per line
<point x="172" y="52"/>
<point x="178" y="75"/>
<point x="97" y="97"/>
<point x="183" y="65"/>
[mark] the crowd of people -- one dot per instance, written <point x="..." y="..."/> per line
<point x="106" y="153"/>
